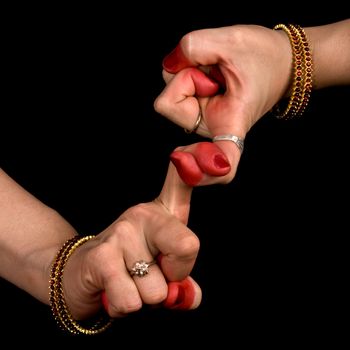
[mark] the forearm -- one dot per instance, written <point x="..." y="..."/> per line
<point x="30" y="235"/>
<point x="330" y="45"/>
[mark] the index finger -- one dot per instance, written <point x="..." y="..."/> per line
<point x="178" y="245"/>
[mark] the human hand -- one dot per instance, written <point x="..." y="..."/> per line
<point x="232" y="76"/>
<point x="148" y="231"/>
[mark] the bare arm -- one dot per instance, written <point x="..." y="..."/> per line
<point x="30" y="235"/>
<point x="330" y="45"/>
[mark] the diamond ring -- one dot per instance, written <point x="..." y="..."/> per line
<point x="141" y="268"/>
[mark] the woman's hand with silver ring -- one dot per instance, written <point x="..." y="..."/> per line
<point x="179" y="94"/>
<point x="232" y="85"/>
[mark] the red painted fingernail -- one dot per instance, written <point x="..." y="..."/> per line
<point x="220" y="161"/>
<point x="180" y="295"/>
<point x="175" y="60"/>
<point x="186" y="295"/>
<point x="187" y="167"/>
<point x="211" y="159"/>
<point x="173" y="291"/>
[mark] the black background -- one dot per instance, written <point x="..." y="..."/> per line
<point x="78" y="130"/>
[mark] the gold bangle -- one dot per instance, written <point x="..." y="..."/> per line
<point x="308" y="69"/>
<point x="58" y="304"/>
<point x="302" y="72"/>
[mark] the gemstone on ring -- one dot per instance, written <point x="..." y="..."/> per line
<point x="141" y="268"/>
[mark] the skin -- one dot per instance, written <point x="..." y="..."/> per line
<point x="96" y="275"/>
<point x="214" y="71"/>
<point x="246" y="70"/>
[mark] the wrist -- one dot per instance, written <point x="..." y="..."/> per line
<point x="330" y="45"/>
<point x="37" y="269"/>
<point x="60" y="309"/>
<point x="285" y="62"/>
<point x="301" y="73"/>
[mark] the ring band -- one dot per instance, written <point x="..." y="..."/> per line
<point x="239" y="142"/>
<point x="196" y="125"/>
<point x="141" y="268"/>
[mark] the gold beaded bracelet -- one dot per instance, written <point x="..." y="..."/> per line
<point x="58" y="305"/>
<point x="302" y="72"/>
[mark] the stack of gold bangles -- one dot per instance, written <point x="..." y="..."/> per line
<point x="302" y="72"/>
<point x="58" y="305"/>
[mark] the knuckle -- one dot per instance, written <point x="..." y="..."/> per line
<point x="188" y="246"/>
<point x="126" y="307"/>
<point x="124" y="230"/>
<point x="100" y="253"/>
<point x="161" y="104"/>
<point x="155" y="296"/>
<point x="130" y="306"/>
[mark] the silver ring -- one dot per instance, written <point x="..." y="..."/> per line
<point x="239" y="142"/>
<point x="196" y="125"/>
<point x="141" y="268"/>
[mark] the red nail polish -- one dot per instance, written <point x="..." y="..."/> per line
<point x="180" y="295"/>
<point x="211" y="159"/>
<point x="175" y="60"/>
<point x="220" y="161"/>
<point x="187" y="167"/>
<point x="173" y="291"/>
